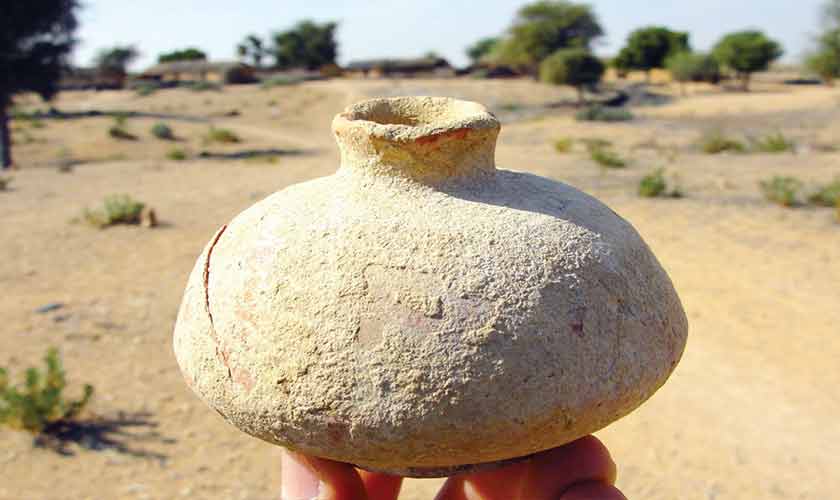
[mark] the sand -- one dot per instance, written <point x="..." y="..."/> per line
<point x="751" y="412"/>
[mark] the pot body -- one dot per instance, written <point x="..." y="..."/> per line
<point x="418" y="327"/>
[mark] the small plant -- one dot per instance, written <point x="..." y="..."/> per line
<point x="782" y="190"/>
<point x="773" y="143"/>
<point x="654" y="185"/>
<point x="204" y="87"/>
<point x="117" y="209"/>
<point x="826" y="196"/>
<point x="603" y="114"/>
<point x="564" y="145"/>
<point x="38" y="403"/>
<point x="605" y="156"/>
<point x="716" y="142"/>
<point x="177" y="154"/>
<point x="5" y="182"/>
<point x="118" y="131"/>
<point x="222" y="135"/>
<point x="163" y="132"/>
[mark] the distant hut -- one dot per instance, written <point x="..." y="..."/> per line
<point x="199" y="71"/>
<point x="435" y="67"/>
<point x="91" y="79"/>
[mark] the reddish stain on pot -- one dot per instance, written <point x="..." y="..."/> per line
<point x="453" y="134"/>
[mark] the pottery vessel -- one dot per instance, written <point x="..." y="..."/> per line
<point x="421" y="312"/>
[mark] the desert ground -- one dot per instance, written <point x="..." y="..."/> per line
<point x="752" y="411"/>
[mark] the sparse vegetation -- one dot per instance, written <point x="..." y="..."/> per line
<point x="826" y="196"/>
<point x="163" y="132"/>
<point x="39" y="403"/>
<point x="5" y="182"/>
<point x="575" y="67"/>
<point x="222" y="135"/>
<point x="279" y="81"/>
<point x="693" y="67"/>
<point x="783" y="191"/>
<point x="605" y="156"/>
<point x="117" y="209"/>
<point x="177" y="154"/>
<point x="603" y="114"/>
<point x="654" y="185"/>
<point x="144" y="89"/>
<point x="564" y="145"/>
<point x="204" y="86"/>
<point x="773" y="143"/>
<point x="716" y="142"/>
<point x="118" y="130"/>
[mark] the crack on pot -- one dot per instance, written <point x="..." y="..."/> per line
<point x="207" y="274"/>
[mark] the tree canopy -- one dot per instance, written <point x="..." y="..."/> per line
<point x="824" y="60"/>
<point x="481" y="48"/>
<point x="36" y="37"/>
<point x="576" y="67"/>
<point x="544" y="27"/>
<point x="693" y="67"/>
<point x="746" y="52"/>
<point x="252" y="48"/>
<point x="188" y="54"/>
<point x="648" y="48"/>
<point x="116" y="59"/>
<point x="307" y="45"/>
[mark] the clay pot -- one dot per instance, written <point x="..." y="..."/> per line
<point x="421" y="312"/>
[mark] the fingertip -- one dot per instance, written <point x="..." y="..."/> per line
<point x="298" y="478"/>
<point x="305" y="477"/>
<point x="381" y="486"/>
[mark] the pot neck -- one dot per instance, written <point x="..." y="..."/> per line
<point x="426" y="139"/>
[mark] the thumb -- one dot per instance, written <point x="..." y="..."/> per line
<point x="309" y="478"/>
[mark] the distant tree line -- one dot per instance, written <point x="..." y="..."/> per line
<point x="307" y="45"/>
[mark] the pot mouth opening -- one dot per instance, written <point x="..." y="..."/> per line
<point x="412" y="117"/>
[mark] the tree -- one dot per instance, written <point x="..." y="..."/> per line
<point x="36" y="37"/>
<point x="824" y="60"/>
<point x="481" y="48"/>
<point x="188" y="54"/>
<point x="253" y="48"/>
<point x="544" y="27"/>
<point x="576" y="67"/>
<point x="116" y="59"/>
<point x="693" y="67"/>
<point x="647" y="48"/>
<point x="746" y="52"/>
<point x="307" y="45"/>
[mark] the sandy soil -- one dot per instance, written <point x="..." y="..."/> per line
<point x="751" y="412"/>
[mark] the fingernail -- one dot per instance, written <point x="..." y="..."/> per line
<point x="298" y="480"/>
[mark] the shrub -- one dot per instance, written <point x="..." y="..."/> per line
<point x="603" y="114"/>
<point x="144" y="89"/>
<point x="4" y="183"/>
<point x="117" y="209"/>
<point x="177" y="154"/>
<point x="773" y="143"/>
<point x="826" y="196"/>
<point x="564" y="145"/>
<point x="39" y="402"/>
<point x="715" y="142"/>
<point x="782" y="190"/>
<point x="693" y="67"/>
<point x="163" y="131"/>
<point x="746" y="52"/>
<point x="222" y="135"/>
<point x="118" y="131"/>
<point x="605" y="156"/>
<point x="204" y="86"/>
<point x="654" y="185"/>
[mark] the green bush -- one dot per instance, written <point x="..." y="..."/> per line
<point x="826" y="196"/>
<point x="605" y="156"/>
<point x="773" y="143"/>
<point x="693" y="67"/>
<point x="564" y="145"/>
<point x="222" y="135"/>
<point x="39" y="402"/>
<point x="782" y="190"/>
<point x="163" y="131"/>
<point x="117" y="209"/>
<point x="177" y="154"/>
<point x="716" y="142"/>
<point x="654" y="185"/>
<point x="118" y="130"/>
<point x="603" y="114"/>
<point x="144" y="89"/>
<point x="204" y="86"/>
<point x="576" y="67"/>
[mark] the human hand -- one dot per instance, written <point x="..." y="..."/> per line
<point x="581" y="470"/>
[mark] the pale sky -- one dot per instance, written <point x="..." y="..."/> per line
<point x="405" y="28"/>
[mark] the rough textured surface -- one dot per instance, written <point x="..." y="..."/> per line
<point x="420" y="309"/>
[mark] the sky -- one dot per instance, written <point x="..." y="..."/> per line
<point x="407" y="28"/>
